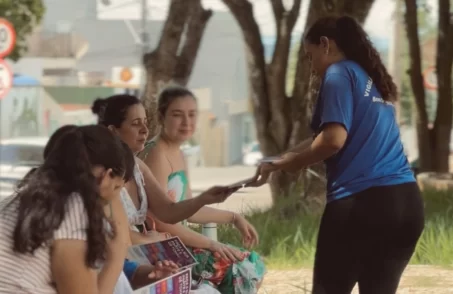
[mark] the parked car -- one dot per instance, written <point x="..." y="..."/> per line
<point x="252" y="154"/>
<point x="17" y="157"/>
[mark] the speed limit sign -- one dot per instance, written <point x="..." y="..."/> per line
<point x="6" y="78"/>
<point x="7" y="37"/>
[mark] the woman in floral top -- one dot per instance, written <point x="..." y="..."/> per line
<point x="229" y="269"/>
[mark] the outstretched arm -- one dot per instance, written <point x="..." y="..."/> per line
<point x="161" y="206"/>
<point x="208" y="214"/>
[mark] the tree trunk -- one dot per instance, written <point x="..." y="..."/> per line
<point x="282" y="121"/>
<point x="433" y="143"/>
<point x="173" y="59"/>
<point x="444" y="62"/>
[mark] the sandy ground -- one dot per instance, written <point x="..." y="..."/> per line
<point x="416" y="280"/>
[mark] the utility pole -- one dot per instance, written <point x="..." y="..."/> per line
<point x="144" y="41"/>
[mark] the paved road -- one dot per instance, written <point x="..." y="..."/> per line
<point x="202" y="178"/>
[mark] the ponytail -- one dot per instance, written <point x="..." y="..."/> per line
<point x="354" y="42"/>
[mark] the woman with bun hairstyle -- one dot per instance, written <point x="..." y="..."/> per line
<point x="374" y="214"/>
<point x="57" y="215"/>
<point x="125" y="117"/>
<point x="229" y="269"/>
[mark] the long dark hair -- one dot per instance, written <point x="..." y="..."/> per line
<point x="67" y="169"/>
<point x="355" y="44"/>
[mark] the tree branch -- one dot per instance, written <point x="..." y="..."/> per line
<point x="444" y="63"/>
<point x="279" y="102"/>
<point x="278" y="9"/>
<point x="242" y="11"/>
<point x="199" y="18"/>
<point x="416" y="77"/>
<point x="170" y="39"/>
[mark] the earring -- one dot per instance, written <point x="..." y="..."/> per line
<point x="326" y="52"/>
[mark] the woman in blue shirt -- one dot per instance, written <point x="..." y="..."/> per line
<point x="374" y="214"/>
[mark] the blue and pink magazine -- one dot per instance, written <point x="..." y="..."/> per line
<point x="172" y="250"/>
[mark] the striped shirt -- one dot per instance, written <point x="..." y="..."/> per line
<point x="31" y="274"/>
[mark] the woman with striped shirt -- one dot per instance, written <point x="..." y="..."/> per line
<point x="53" y="232"/>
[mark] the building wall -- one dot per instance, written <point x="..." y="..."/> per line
<point x="29" y="111"/>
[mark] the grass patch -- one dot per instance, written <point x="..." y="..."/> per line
<point x="290" y="243"/>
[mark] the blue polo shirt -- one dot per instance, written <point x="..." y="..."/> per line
<point x="373" y="153"/>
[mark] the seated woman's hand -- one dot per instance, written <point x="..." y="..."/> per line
<point x="226" y="252"/>
<point x="163" y="269"/>
<point x="249" y="235"/>
<point x="146" y="274"/>
<point x="217" y="194"/>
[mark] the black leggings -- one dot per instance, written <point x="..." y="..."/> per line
<point x="368" y="238"/>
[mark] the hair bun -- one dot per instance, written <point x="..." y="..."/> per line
<point x="97" y="106"/>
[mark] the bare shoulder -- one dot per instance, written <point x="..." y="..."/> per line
<point x="155" y="158"/>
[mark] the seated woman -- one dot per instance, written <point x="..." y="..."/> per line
<point x="125" y="116"/>
<point x="134" y="275"/>
<point x="229" y="269"/>
<point x="57" y="215"/>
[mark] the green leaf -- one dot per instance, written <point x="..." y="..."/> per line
<point x="25" y="15"/>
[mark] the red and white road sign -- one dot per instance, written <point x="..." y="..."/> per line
<point x="6" y="78"/>
<point x="7" y="37"/>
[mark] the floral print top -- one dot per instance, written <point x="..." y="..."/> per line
<point x="136" y="216"/>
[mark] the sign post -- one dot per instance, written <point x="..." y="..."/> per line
<point x="6" y="78"/>
<point x="7" y="42"/>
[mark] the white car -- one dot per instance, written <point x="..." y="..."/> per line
<point x="252" y="154"/>
<point x="17" y="157"/>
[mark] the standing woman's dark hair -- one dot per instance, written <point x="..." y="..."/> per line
<point x="45" y="194"/>
<point x="112" y="111"/>
<point x="355" y="44"/>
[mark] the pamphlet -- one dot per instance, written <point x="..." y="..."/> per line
<point x="241" y="184"/>
<point x="270" y="159"/>
<point x="178" y="283"/>
<point x="171" y="249"/>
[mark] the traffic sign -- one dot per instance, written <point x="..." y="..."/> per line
<point x="7" y="37"/>
<point x="6" y="78"/>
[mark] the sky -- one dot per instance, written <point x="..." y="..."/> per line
<point x="378" y="23"/>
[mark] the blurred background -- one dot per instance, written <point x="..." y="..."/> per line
<point x="243" y="61"/>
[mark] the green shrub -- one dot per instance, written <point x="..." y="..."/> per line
<point x="290" y="243"/>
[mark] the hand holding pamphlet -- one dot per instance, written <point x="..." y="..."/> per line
<point x="179" y="283"/>
<point x="241" y="184"/>
<point x="171" y="249"/>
